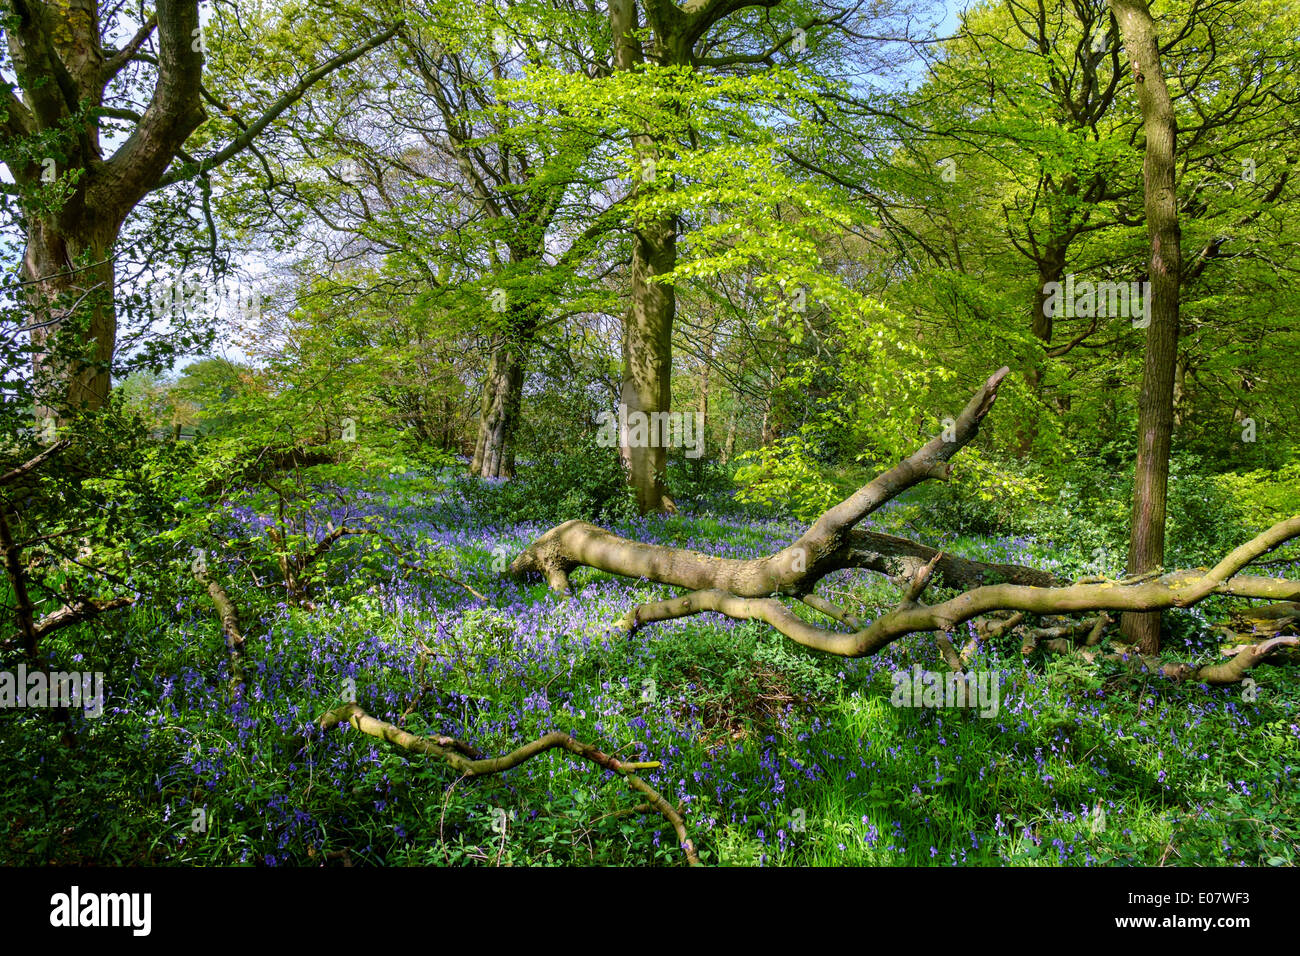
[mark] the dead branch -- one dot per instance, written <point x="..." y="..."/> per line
<point x="900" y="558"/>
<point x="753" y="589"/>
<point x="453" y="753"/>
<point x="829" y="545"/>
<point x="230" y="629"/>
<point x="33" y="463"/>
<point x="988" y="630"/>
<point x="78" y="610"/>
<point x="1234" y="668"/>
<point x="950" y="655"/>
<point x="1177" y="589"/>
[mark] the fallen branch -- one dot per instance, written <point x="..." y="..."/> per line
<point x="753" y="589"/>
<point x="230" y="629"/>
<point x="453" y="753"/>
<point x="829" y="545"/>
<point x="81" y="609"/>
<point x="33" y="463"/>
<point x="988" y="630"/>
<point x="1061" y="638"/>
<point x="1178" y="589"/>
<point x="1234" y="668"/>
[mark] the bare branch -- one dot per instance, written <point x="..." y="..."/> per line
<point x="451" y="752"/>
<point x="234" y="635"/>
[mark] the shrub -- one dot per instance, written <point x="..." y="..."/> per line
<point x="700" y="483"/>
<point x="578" y="480"/>
<point x="1263" y="497"/>
<point x="786" y="475"/>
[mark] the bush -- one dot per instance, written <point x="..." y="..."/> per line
<point x="1263" y="497"/>
<point x="578" y="480"/>
<point x="1093" y="508"/>
<point x="965" y="508"/>
<point x="1205" y="520"/>
<point x="700" y="483"/>
<point x="785" y="475"/>
<point x="1086" y="511"/>
<point x="985" y="497"/>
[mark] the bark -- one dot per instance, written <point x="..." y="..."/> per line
<point x="766" y="431"/>
<point x="647" y="357"/>
<point x="494" y="448"/>
<point x="18" y="584"/>
<point x="1156" y="402"/>
<point x="71" y="280"/>
<point x="705" y="376"/>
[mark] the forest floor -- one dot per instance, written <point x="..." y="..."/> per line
<point x="776" y="755"/>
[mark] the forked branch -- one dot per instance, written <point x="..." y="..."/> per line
<point x="754" y="589"/>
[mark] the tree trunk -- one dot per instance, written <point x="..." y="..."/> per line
<point x="62" y="69"/>
<point x="1180" y="390"/>
<point x="1156" y="401"/>
<point x="71" y="274"/>
<point x="58" y="70"/>
<point x="648" y="326"/>
<point x="704" y="384"/>
<point x="766" y="428"/>
<point x="729" y="445"/>
<point x="647" y="358"/>
<point x="1051" y="268"/>
<point x="494" y="448"/>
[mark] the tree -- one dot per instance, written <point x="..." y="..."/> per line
<point x="1156" y="403"/>
<point x="516" y="187"/>
<point x="1018" y="164"/>
<point x="482" y="216"/>
<point x="74" y="93"/>
<point x="674" y="42"/>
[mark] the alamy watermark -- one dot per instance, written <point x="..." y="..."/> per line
<point x="651" y="430"/>
<point x="41" y="690"/>
<point x="181" y="297"/>
<point x="77" y="909"/>
<point x="921" y="688"/>
<point x="1086" y="299"/>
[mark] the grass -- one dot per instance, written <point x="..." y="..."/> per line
<point x="778" y="755"/>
